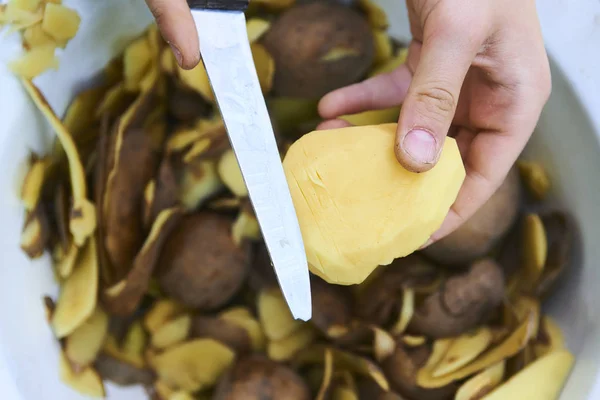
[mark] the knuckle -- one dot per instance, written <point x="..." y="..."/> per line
<point x="436" y="100"/>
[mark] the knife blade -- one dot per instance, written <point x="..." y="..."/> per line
<point x="227" y="57"/>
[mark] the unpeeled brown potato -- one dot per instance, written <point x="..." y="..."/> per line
<point x="461" y="303"/>
<point x="258" y="378"/>
<point x="484" y="229"/>
<point x="318" y="47"/>
<point x="200" y="265"/>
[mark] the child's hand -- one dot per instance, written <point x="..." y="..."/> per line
<point x="476" y="70"/>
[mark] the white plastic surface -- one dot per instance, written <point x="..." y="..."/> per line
<point x="567" y="142"/>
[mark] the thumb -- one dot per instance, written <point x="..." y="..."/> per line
<point x="174" y="19"/>
<point x="428" y="109"/>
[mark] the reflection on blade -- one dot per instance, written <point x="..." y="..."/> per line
<point x="228" y="61"/>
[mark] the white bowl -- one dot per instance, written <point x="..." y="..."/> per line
<point x="565" y="142"/>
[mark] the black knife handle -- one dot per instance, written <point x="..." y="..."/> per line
<point x="224" y="5"/>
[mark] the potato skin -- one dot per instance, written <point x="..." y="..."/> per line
<point x="304" y="34"/>
<point x="200" y="266"/>
<point x="402" y="367"/>
<point x="123" y="231"/>
<point x="122" y="373"/>
<point x="461" y="303"/>
<point x="331" y="306"/>
<point x="476" y="237"/>
<point x="224" y="331"/>
<point x="258" y="378"/>
<point x="382" y="297"/>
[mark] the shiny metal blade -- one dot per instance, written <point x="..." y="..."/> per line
<point x="228" y="60"/>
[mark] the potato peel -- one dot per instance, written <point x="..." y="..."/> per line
<point x="197" y="79"/>
<point x="362" y="366"/>
<point x="35" y="62"/>
<point x="162" y="311"/>
<point x="80" y="115"/>
<point x="60" y="22"/>
<point x="135" y="340"/>
<point x="115" y="100"/>
<point x="200" y="180"/>
<point x="383" y="46"/>
<point x="535" y="178"/>
<point x="550" y="338"/>
<point x="83" y="214"/>
<point x="408" y="309"/>
<point x="535" y="250"/>
<point x="327" y="375"/>
<point x="275" y="316"/>
<point x="77" y="300"/>
<point x="344" y="360"/>
<point x="34" y="36"/>
<point x="256" y="27"/>
<point x="265" y="66"/>
<point x="131" y="350"/>
<point x="197" y="149"/>
<point x="26" y="5"/>
<point x="31" y="188"/>
<point x="543" y="379"/>
<point x="481" y="384"/>
<point x="86" y="382"/>
<point x="121" y="372"/>
<point x="243" y="318"/>
<point x="231" y="174"/>
<point x="462" y="351"/>
<point x="171" y="333"/>
<point x="376" y="15"/>
<point x="18" y="16"/>
<point x="164" y="193"/>
<point x="515" y="342"/>
<point x="413" y="341"/>
<point x="285" y="349"/>
<point x="124" y="297"/>
<point x="184" y="366"/>
<point x="131" y="143"/>
<point x="36" y="233"/>
<point x="275" y="5"/>
<point x="168" y="63"/>
<point x="223" y="330"/>
<point x="384" y="344"/>
<point x="84" y="344"/>
<point x="245" y="227"/>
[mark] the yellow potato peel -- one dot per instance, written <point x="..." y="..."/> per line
<point x="78" y="296"/>
<point x="83" y="215"/>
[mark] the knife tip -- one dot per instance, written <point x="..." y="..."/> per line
<point x="301" y="311"/>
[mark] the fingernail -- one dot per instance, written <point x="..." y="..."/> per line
<point x="177" y="53"/>
<point x="420" y="145"/>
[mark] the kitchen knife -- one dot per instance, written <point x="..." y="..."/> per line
<point x="226" y="54"/>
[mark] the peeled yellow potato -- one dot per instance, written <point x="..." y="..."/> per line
<point x="357" y="206"/>
<point x="543" y="379"/>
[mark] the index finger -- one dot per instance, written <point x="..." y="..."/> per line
<point x="174" y="19"/>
